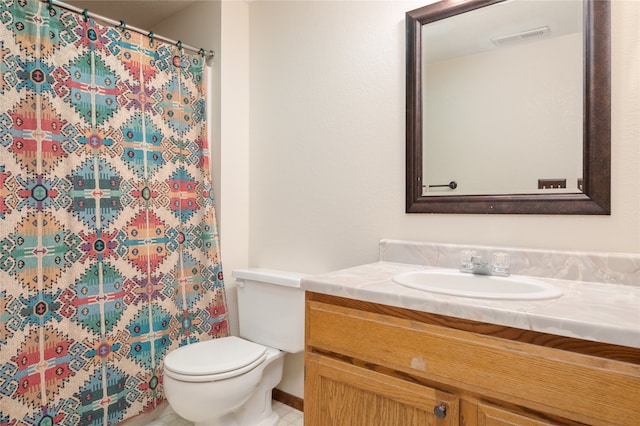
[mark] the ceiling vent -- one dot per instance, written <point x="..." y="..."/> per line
<point x="521" y="36"/>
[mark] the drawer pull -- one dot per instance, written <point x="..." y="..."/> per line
<point x="440" y="411"/>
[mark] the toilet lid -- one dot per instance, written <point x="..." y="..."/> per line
<point x="213" y="356"/>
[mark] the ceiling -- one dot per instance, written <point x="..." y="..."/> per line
<point x="143" y="14"/>
<point x="472" y="32"/>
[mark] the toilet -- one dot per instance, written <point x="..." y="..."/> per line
<point x="228" y="381"/>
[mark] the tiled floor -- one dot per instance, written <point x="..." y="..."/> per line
<point x="288" y="416"/>
<point x="165" y="416"/>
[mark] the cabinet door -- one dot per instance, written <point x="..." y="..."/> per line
<point x="342" y="394"/>
<point x="489" y="415"/>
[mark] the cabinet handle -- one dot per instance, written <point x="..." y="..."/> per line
<point x="440" y="411"/>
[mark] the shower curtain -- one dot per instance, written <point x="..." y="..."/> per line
<point x="109" y="254"/>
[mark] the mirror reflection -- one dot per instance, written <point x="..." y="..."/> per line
<point x="502" y="100"/>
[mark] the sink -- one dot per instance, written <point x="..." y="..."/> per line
<point x="455" y="283"/>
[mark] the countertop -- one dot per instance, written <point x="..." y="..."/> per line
<point x="607" y="313"/>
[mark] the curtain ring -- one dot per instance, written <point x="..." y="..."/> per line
<point x="85" y="13"/>
<point x="179" y="44"/>
<point x="123" y="25"/>
<point x="151" y="36"/>
<point x="201" y="51"/>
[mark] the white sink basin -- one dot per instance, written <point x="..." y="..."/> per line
<point x="455" y="283"/>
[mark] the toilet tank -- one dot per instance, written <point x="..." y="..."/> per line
<point x="271" y="308"/>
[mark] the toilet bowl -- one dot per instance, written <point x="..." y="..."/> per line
<point x="219" y="392"/>
<point x="228" y="381"/>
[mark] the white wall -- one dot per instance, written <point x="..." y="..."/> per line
<point x="327" y="156"/>
<point x="326" y="131"/>
<point x="327" y="143"/>
<point x="224" y="28"/>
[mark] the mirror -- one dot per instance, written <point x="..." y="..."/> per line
<point x="508" y="107"/>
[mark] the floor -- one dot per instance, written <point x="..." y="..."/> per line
<point x="165" y="416"/>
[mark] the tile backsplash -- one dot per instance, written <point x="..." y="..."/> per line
<point x="610" y="268"/>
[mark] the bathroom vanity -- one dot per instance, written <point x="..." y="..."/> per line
<point x="381" y="354"/>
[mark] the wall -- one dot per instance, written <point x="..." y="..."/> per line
<point x="327" y="157"/>
<point x="327" y="143"/>
<point x="326" y="130"/>
<point x="223" y="27"/>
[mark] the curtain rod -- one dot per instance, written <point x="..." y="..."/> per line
<point x="122" y="24"/>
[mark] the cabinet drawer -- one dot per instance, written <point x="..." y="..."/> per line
<point x="579" y="387"/>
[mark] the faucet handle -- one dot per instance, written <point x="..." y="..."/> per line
<point x="466" y="257"/>
<point x="500" y="263"/>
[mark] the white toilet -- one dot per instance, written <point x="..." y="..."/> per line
<point x="228" y="381"/>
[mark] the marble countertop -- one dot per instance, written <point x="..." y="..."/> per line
<point x="608" y="313"/>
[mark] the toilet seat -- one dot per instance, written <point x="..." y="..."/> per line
<point x="215" y="359"/>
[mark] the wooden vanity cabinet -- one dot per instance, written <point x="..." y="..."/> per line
<point x="368" y="364"/>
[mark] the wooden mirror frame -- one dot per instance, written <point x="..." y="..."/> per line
<point x="596" y="196"/>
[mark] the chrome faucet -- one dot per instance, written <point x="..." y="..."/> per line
<point x="474" y="264"/>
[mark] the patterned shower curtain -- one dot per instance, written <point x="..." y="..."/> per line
<point x="109" y="253"/>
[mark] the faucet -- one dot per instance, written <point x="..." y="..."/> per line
<point x="474" y="264"/>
